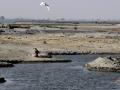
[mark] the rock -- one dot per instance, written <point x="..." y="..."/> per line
<point x="2" y="80"/>
<point x="104" y="64"/>
<point x="5" y="64"/>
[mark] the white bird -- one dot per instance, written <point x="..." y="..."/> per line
<point x="45" y="4"/>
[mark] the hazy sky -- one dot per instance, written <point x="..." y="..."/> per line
<point x="68" y="9"/>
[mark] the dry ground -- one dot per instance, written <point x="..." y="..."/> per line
<point x="21" y="46"/>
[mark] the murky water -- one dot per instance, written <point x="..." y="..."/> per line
<point x="58" y="76"/>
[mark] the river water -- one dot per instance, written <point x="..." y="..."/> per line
<point x="59" y="76"/>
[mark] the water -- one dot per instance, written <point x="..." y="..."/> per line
<point x="58" y="76"/>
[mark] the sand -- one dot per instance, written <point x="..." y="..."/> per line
<point x="104" y="64"/>
<point x="89" y="39"/>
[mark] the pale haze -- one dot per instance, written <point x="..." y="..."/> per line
<point x="68" y="9"/>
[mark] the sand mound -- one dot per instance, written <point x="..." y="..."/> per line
<point x="104" y="64"/>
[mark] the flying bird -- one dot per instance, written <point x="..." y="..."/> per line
<point x="45" y="4"/>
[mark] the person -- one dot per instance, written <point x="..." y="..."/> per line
<point x="36" y="52"/>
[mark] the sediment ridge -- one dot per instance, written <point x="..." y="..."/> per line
<point x="104" y="64"/>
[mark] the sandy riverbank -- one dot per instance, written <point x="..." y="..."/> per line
<point x="19" y="45"/>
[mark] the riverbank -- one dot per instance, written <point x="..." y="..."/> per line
<point x="18" y="44"/>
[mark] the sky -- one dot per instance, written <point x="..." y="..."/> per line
<point x="67" y="9"/>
